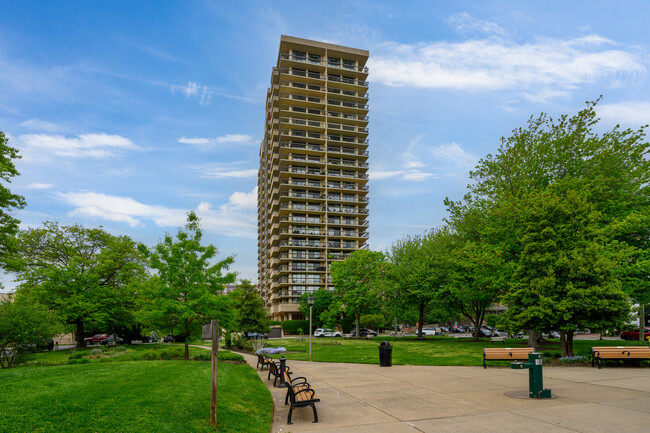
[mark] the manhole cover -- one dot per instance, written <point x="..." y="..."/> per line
<point x="524" y="395"/>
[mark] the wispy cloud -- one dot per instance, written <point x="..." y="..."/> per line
<point x="236" y="218"/>
<point x="195" y="90"/>
<point x="41" y="125"/>
<point x="39" y="186"/>
<point x="465" y="23"/>
<point x="455" y="154"/>
<point x="225" y="170"/>
<point x="544" y="68"/>
<point x="630" y="114"/>
<point x="83" y="146"/>
<point x="407" y="175"/>
<point x="223" y="142"/>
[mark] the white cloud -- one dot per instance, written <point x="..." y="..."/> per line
<point x="83" y="146"/>
<point x="408" y="175"/>
<point x="454" y="153"/>
<point x="465" y="23"/>
<point x="39" y="186"/>
<point x="193" y="89"/>
<point x="236" y="218"/>
<point x="545" y="66"/>
<point x="414" y="164"/>
<point x="225" y="170"/>
<point x="225" y="141"/>
<point x="631" y="114"/>
<point x="41" y="125"/>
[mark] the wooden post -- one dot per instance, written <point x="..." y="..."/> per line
<point x="215" y="352"/>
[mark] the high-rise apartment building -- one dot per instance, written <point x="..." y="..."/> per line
<point x="312" y="183"/>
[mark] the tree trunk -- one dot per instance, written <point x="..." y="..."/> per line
<point x="357" y="321"/>
<point x="80" y="333"/>
<point x="421" y="322"/>
<point x="569" y="346"/>
<point x="533" y="338"/>
<point x="641" y="322"/>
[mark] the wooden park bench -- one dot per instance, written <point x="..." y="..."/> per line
<point x="497" y="339"/>
<point x="506" y="353"/>
<point x="263" y="360"/>
<point x="619" y="352"/>
<point x="299" y="394"/>
<point x="274" y="369"/>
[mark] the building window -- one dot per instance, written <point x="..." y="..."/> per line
<point x="298" y="254"/>
<point x="348" y="64"/>
<point x="299" y="56"/>
<point x="298" y="266"/>
<point x="314" y="58"/>
<point x="334" y="61"/>
<point x="299" y="278"/>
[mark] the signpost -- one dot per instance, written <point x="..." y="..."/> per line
<point x="215" y="352"/>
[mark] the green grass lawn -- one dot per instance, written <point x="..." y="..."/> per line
<point x="410" y="351"/>
<point x="142" y="396"/>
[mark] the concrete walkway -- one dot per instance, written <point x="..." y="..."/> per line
<point x="360" y="398"/>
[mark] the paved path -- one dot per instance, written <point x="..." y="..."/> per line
<point x="359" y="398"/>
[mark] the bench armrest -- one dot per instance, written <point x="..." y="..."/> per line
<point x="299" y="381"/>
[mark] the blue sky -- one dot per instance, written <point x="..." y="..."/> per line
<point x="129" y="114"/>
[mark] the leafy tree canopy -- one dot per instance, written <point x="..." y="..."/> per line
<point x="251" y="316"/>
<point x="83" y="274"/>
<point x="323" y="301"/>
<point x="8" y="202"/>
<point x="186" y="292"/>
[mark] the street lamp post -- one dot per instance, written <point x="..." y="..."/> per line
<point x="310" y="301"/>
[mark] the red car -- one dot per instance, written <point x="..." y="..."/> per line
<point x="633" y="334"/>
<point x="96" y="339"/>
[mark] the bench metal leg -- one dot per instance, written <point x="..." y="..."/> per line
<point x="286" y="399"/>
<point x="484" y="364"/>
<point x="599" y="364"/>
<point x="313" y="406"/>
<point x="290" y="412"/>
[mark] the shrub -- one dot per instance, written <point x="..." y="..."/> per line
<point x="203" y="356"/>
<point x="292" y="326"/>
<point x="78" y="361"/>
<point x="150" y="355"/>
<point x="225" y="355"/>
<point x="573" y="360"/>
<point x="240" y="342"/>
<point x="275" y="323"/>
<point x="121" y="348"/>
<point x="96" y="352"/>
<point x="346" y="325"/>
<point x="171" y="353"/>
<point x="76" y="355"/>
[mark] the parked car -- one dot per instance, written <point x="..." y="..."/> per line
<point x="96" y="339"/>
<point x="429" y="331"/>
<point x="110" y="340"/>
<point x="459" y="329"/>
<point x="633" y="334"/>
<point x="363" y="333"/>
<point x="325" y="332"/>
<point x="499" y="333"/>
<point x="519" y="335"/>
<point x="444" y="329"/>
<point x="555" y="334"/>
<point x="169" y="339"/>
<point x="483" y="332"/>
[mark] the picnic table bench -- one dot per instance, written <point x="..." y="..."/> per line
<point x="619" y="352"/>
<point x="497" y="339"/>
<point x="506" y="353"/>
<point x="299" y="394"/>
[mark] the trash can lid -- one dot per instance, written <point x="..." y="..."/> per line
<point x="384" y="343"/>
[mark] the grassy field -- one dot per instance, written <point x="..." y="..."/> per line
<point x="142" y="396"/>
<point x="410" y="351"/>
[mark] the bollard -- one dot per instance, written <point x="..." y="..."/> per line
<point x="283" y="367"/>
<point x="535" y="377"/>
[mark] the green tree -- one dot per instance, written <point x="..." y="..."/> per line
<point x="329" y="318"/>
<point x="420" y="273"/>
<point x="186" y="292"/>
<point x="323" y="300"/>
<point x="566" y="276"/>
<point x="250" y="314"/>
<point x="611" y="169"/>
<point x="85" y="275"/>
<point x="8" y="203"/>
<point x="24" y="324"/>
<point x="359" y="282"/>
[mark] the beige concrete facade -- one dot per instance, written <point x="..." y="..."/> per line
<point x="312" y="182"/>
